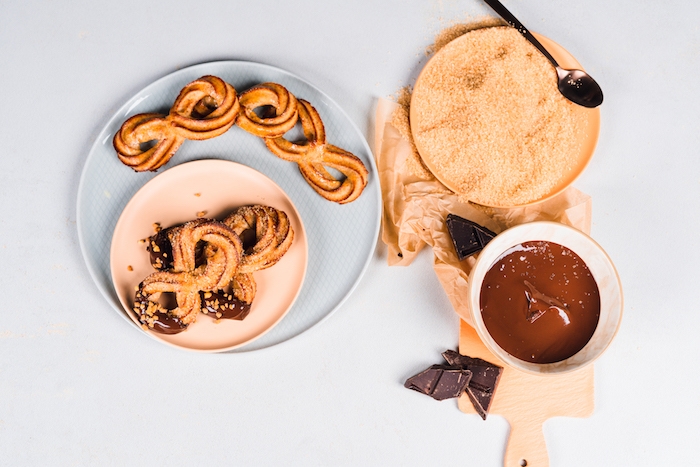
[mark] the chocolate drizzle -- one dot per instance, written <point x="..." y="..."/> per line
<point x="538" y="304"/>
<point x="160" y="250"/>
<point x="155" y="316"/>
<point x="222" y="305"/>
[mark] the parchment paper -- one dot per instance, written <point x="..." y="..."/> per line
<point x="415" y="210"/>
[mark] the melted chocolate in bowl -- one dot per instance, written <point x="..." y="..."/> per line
<point x="540" y="302"/>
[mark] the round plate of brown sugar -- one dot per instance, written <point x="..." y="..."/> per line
<point x="489" y="122"/>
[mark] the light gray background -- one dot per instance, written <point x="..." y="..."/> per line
<point x="79" y="386"/>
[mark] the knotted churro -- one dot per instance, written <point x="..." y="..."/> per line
<point x="208" y="107"/>
<point x="205" y="108"/>
<point x="273" y="237"/>
<point x="315" y="154"/>
<point x="278" y="108"/>
<point x="222" y="256"/>
<point x="204" y="265"/>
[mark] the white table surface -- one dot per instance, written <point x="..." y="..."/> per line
<point x="81" y="386"/>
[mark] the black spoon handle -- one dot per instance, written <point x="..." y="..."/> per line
<point x="513" y="21"/>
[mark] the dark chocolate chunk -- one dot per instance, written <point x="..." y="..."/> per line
<point x="440" y="381"/>
<point x="486" y="374"/>
<point x="484" y="380"/>
<point x="481" y="401"/>
<point x="451" y="384"/>
<point x="424" y="382"/>
<point x="468" y="237"/>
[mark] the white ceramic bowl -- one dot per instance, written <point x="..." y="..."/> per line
<point x="601" y="268"/>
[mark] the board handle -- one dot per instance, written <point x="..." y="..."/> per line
<point x="526" y="445"/>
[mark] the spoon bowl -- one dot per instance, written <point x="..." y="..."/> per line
<point x="576" y="85"/>
<point x="579" y="87"/>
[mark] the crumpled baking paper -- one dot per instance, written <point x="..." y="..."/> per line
<point x="415" y="210"/>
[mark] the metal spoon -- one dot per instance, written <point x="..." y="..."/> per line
<point x="575" y="85"/>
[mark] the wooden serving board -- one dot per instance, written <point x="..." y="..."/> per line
<point x="527" y="401"/>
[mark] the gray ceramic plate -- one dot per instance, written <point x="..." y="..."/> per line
<point x="341" y="238"/>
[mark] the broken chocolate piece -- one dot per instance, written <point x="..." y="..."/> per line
<point x="485" y="374"/>
<point x="484" y="380"/>
<point x="451" y="384"/>
<point x="440" y="381"/>
<point x="468" y="237"/>
<point x="481" y="401"/>
<point x="424" y="382"/>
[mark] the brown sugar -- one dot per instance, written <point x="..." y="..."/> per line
<point x="451" y="33"/>
<point x="489" y="121"/>
<point x="400" y="118"/>
<point x="401" y="121"/>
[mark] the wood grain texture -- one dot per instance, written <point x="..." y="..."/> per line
<point x="526" y="401"/>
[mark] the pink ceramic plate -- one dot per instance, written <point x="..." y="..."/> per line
<point x="216" y="187"/>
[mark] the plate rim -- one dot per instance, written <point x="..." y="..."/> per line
<point x="110" y="295"/>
